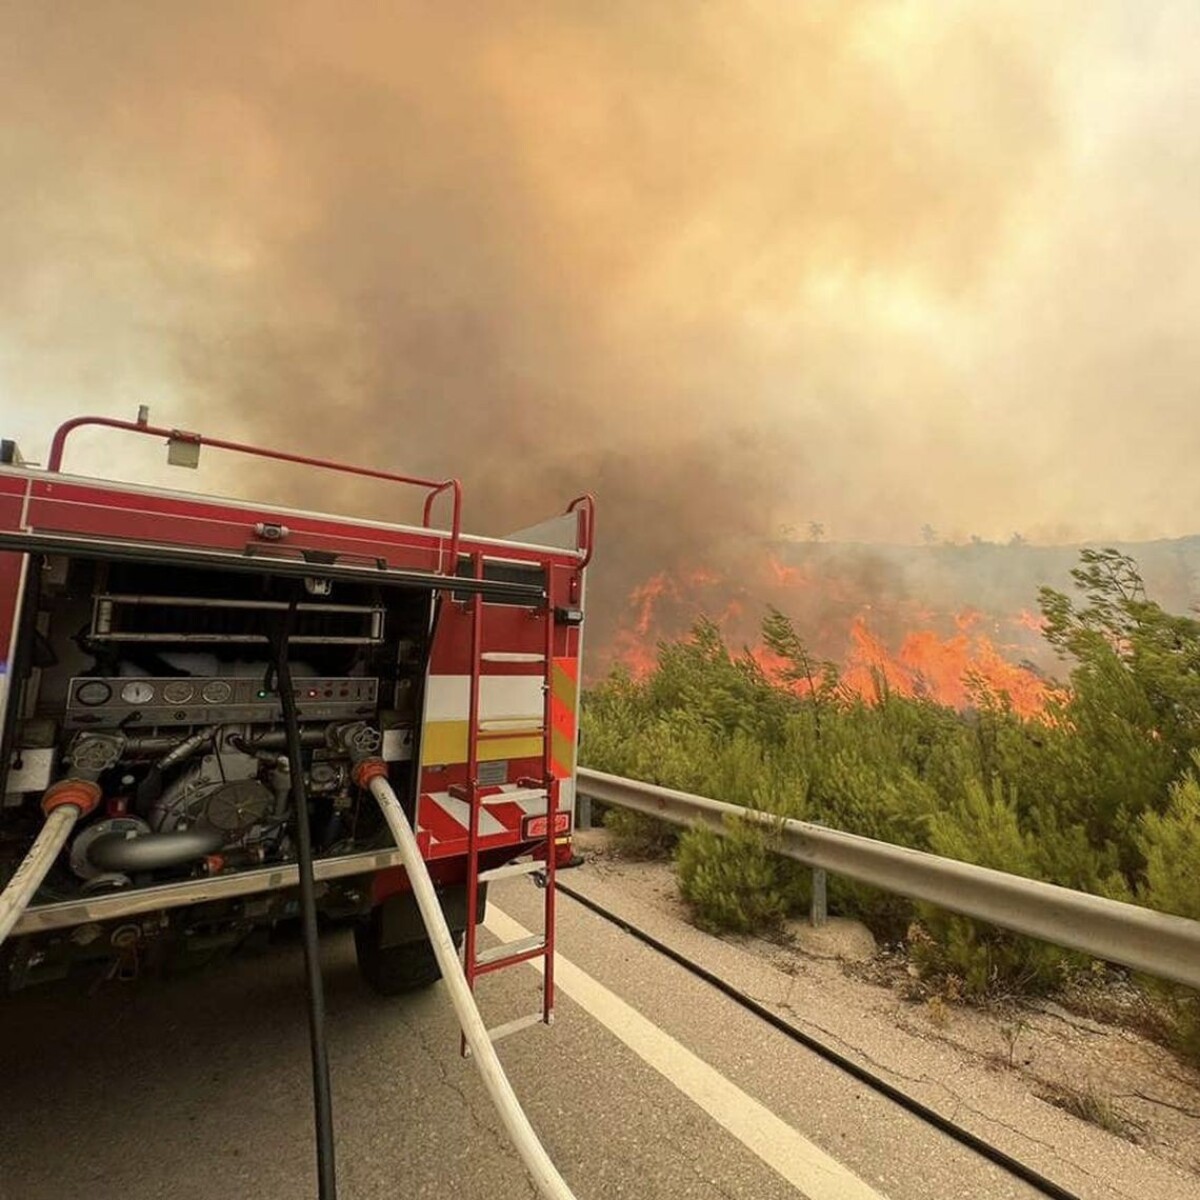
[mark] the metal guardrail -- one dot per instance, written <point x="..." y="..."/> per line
<point x="1156" y="943"/>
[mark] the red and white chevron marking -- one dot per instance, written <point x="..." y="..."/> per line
<point x="502" y="811"/>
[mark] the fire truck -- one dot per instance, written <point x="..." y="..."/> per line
<point x="198" y="696"/>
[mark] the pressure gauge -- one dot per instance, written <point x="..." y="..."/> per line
<point x="216" y="692"/>
<point x="137" y="692"/>
<point x="178" y="691"/>
<point x="92" y="693"/>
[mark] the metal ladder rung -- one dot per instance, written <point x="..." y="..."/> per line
<point x="510" y="869"/>
<point x="511" y="731"/>
<point x="510" y="950"/>
<point x="502" y="1031"/>
<point x="513" y="723"/>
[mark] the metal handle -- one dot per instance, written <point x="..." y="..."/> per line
<point x="434" y="486"/>
<point x="585" y="505"/>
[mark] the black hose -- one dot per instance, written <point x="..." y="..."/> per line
<point x="322" y="1099"/>
<point x="1014" y="1166"/>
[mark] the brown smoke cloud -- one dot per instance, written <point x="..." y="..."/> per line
<point x="730" y="265"/>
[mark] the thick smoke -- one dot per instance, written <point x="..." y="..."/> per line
<point x="730" y="265"/>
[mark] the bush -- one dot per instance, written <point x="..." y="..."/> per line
<point x="737" y="881"/>
<point x="1170" y="843"/>
<point x="982" y="828"/>
<point x="638" y="835"/>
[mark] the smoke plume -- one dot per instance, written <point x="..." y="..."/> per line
<point x="729" y="265"/>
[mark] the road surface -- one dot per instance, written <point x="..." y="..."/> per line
<point x="650" y="1084"/>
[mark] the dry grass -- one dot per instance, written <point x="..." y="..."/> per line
<point x="1088" y="1105"/>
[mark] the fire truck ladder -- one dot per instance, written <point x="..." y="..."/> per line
<point x="496" y="958"/>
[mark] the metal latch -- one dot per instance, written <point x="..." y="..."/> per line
<point x="270" y="532"/>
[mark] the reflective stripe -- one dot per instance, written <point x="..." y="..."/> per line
<point x="445" y="742"/>
<point x="564" y="716"/>
<point x="501" y="697"/>
<point x="502" y="810"/>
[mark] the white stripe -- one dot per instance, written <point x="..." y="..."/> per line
<point x="511" y="656"/>
<point x="533" y="800"/>
<point x="459" y="810"/>
<point x="802" y="1163"/>
<point x="511" y="697"/>
<point x="566" y="793"/>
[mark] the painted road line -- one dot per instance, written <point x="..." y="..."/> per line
<point x="802" y="1163"/>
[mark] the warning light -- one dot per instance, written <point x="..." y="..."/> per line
<point x="312" y="692"/>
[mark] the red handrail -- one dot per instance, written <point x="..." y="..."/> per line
<point x="586" y="504"/>
<point x="436" y="486"/>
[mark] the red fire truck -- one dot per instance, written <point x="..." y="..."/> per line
<point x="142" y="633"/>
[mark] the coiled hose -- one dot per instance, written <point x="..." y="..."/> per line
<point x="63" y="805"/>
<point x="372" y="773"/>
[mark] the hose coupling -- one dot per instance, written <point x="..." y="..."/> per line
<point x="82" y="793"/>
<point x="369" y="768"/>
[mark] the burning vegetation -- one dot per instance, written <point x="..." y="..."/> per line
<point x="942" y="744"/>
<point x="876" y="646"/>
<point x="950" y="624"/>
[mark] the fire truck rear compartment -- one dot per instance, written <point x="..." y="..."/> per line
<point x="156" y="683"/>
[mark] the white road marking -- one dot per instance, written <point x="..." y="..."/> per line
<point x="802" y="1163"/>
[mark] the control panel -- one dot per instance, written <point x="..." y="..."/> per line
<point x="132" y="702"/>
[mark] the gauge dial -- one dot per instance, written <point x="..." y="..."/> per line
<point x="216" y="692"/>
<point x="178" y="691"/>
<point x="93" y="693"/>
<point x="137" y="692"/>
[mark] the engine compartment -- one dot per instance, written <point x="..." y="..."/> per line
<point x="157" y="684"/>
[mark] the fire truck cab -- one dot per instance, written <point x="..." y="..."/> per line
<point x="136" y="635"/>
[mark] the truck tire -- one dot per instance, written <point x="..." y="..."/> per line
<point x="394" y="970"/>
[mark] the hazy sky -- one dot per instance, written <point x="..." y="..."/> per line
<point x="733" y="265"/>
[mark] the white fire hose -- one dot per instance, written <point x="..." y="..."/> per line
<point x="537" y="1162"/>
<point x="71" y="799"/>
<point x="63" y="805"/>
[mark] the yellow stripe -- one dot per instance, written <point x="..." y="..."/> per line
<point x="444" y="742"/>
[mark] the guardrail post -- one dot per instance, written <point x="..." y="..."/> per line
<point x="818" y="911"/>
<point x="583" y="811"/>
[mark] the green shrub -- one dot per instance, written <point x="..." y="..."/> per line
<point x="885" y="914"/>
<point x="982" y="828"/>
<point x="737" y="881"/>
<point x="1170" y="843"/>
<point x="639" y="836"/>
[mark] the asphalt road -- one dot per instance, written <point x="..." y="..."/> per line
<point x="649" y="1084"/>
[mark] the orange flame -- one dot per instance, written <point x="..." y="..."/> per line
<point x="1034" y="622"/>
<point x="953" y="666"/>
<point x="645" y="599"/>
<point x="950" y="670"/>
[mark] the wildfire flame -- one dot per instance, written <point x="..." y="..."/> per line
<point x="905" y="649"/>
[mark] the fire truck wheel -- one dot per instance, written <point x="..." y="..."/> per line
<point x="394" y="970"/>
